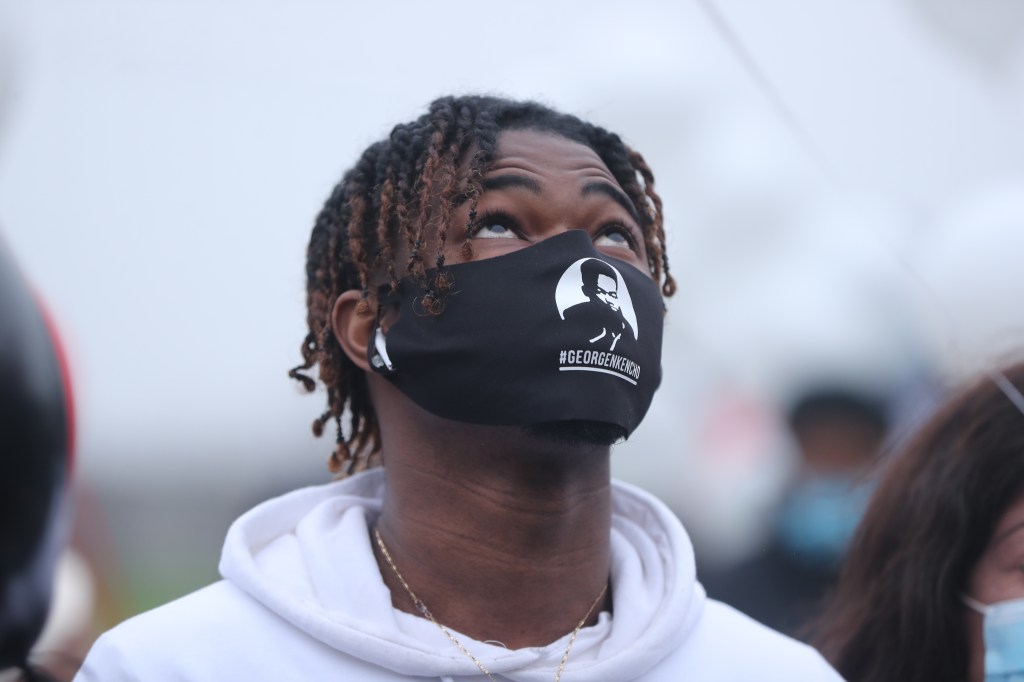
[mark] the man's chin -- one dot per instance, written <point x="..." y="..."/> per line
<point x="578" y="432"/>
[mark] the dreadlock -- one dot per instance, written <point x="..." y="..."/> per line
<point x="406" y="188"/>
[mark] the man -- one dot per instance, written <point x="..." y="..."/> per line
<point x="492" y="543"/>
<point x="839" y="431"/>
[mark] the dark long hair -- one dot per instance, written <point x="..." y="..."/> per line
<point x="897" y="612"/>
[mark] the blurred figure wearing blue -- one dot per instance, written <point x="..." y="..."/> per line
<point x="838" y="432"/>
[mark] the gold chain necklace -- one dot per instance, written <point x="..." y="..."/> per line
<point x="422" y="608"/>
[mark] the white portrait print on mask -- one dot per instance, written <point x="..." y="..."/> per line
<point x="593" y="294"/>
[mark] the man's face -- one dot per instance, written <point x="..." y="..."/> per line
<point x="608" y="291"/>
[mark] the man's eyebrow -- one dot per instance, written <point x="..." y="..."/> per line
<point x="614" y="193"/>
<point x="496" y="182"/>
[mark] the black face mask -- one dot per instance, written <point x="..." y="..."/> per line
<point x="554" y="332"/>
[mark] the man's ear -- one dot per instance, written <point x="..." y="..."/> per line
<point x="353" y="326"/>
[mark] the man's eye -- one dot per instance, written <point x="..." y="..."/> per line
<point x="495" y="225"/>
<point x="616" y="237"/>
<point x="494" y="231"/>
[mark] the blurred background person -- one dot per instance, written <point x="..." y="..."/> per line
<point x="36" y="442"/>
<point x="932" y="588"/>
<point x="838" y="433"/>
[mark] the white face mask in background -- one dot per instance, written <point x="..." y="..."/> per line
<point x="1004" y="638"/>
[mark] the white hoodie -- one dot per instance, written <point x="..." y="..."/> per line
<point x="303" y="599"/>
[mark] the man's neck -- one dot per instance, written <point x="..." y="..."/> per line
<point x="502" y="534"/>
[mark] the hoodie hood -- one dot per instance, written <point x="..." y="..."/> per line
<point x="307" y="556"/>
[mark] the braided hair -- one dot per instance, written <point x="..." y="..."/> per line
<point x="406" y="188"/>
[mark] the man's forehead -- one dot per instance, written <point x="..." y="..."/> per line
<point x="543" y="152"/>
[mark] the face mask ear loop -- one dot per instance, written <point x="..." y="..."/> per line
<point x="974" y="604"/>
<point x="379" y="356"/>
